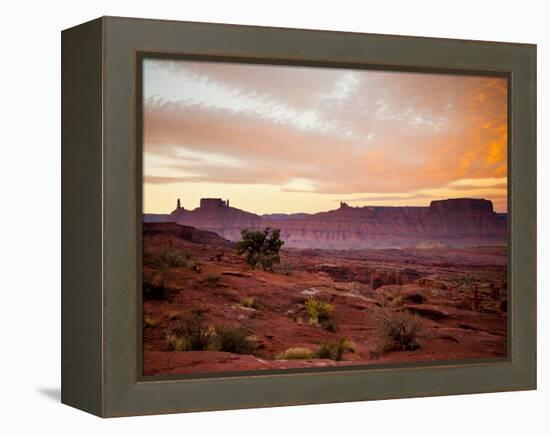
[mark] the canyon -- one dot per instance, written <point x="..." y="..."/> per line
<point x="440" y="271"/>
<point x="456" y="296"/>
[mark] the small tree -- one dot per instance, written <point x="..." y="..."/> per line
<point x="261" y="247"/>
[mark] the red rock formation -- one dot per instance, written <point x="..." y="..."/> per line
<point x="186" y="233"/>
<point x="452" y="221"/>
<point x="465" y="218"/>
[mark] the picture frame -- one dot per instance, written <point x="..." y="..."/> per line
<point x="101" y="216"/>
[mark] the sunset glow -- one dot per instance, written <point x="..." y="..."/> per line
<point x="281" y="139"/>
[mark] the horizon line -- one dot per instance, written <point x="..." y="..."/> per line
<point x="343" y="204"/>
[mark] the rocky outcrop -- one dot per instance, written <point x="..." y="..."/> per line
<point x="218" y="217"/>
<point x="465" y="218"/>
<point x="186" y="233"/>
<point x="451" y="221"/>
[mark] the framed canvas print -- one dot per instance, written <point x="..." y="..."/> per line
<point x="260" y="216"/>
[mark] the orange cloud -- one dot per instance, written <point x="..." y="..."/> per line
<point x="338" y="132"/>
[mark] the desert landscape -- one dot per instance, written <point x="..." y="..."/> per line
<point x="317" y="217"/>
<point x="417" y="284"/>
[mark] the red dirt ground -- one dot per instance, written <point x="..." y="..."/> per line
<point x="457" y="295"/>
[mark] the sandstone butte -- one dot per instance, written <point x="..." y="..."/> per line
<point x="454" y="222"/>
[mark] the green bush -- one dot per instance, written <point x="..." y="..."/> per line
<point x="261" y="248"/>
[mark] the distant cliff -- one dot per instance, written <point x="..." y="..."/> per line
<point x="451" y="221"/>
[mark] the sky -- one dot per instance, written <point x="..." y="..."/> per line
<point x="283" y="139"/>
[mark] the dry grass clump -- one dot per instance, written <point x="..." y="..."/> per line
<point x="334" y="351"/>
<point x="318" y="311"/>
<point x="191" y="335"/>
<point x="196" y="335"/>
<point x="326" y="350"/>
<point x="157" y="269"/>
<point x="170" y="258"/>
<point x="296" y="353"/>
<point x="234" y="340"/>
<point x="177" y="343"/>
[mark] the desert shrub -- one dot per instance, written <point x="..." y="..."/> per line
<point x="191" y="335"/>
<point x="325" y="351"/>
<point x="196" y="335"/>
<point x="398" y="332"/>
<point x="334" y="351"/>
<point x="265" y="262"/>
<point x="249" y="302"/>
<point x="341" y="348"/>
<point x="177" y="343"/>
<point x="170" y="258"/>
<point x="318" y="311"/>
<point x="296" y="353"/>
<point x="234" y="340"/>
<point x="176" y="258"/>
<point x="261" y="248"/>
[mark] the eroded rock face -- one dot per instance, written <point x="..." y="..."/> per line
<point x="465" y="218"/>
<point x="451" y="221"/>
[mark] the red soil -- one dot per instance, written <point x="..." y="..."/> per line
<point x="457" y="295"/>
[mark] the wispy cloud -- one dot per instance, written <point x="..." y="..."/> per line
<point x="325" y="132"/>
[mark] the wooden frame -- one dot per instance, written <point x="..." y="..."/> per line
<point x="102" y="218"/>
